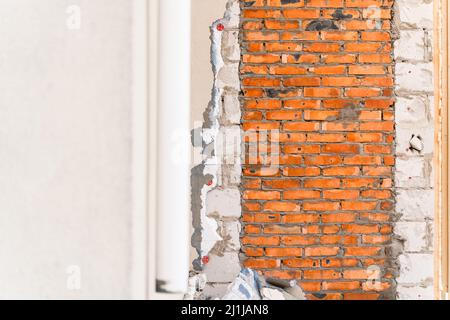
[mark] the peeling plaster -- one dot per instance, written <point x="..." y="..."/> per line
<point x="216" y="203"/>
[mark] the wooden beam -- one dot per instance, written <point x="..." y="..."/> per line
<point x="441" y="158"/>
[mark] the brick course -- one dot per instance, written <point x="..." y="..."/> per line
<point x="320" y="72"/>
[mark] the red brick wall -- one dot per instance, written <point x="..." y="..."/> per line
<point x="320" y="71"/>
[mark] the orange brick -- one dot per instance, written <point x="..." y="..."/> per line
<point x="283" y="115"/>
<point x="358" y="205"/>
<point x="321" y="274"/>
<point x="283" y="274"/>
<point x="301" y="104"/>
<point x="261" y="36"/>
<point x="339" y="217"/>
<point x="284" y="252"/>
<point x="252" y="25"/>
<point x="282" y="206"/>
<point x="339" y="35"/>
<point x="300" y="82"/>
<point x="366" y="69"/>
<point x="261" y="82"/>
<point x="261" y="14"/>
<point x="320" y="115"/>
<point x="278" y="3"/>
<point x="322" y="160"/>
<point x="325" y="3"/>
<point x="328" y="70"/>
<point x="322" y="183"/>
<point x="376" y="194"/>
<point x="340" y="148"/>
<point x="282" y="25"/>
<point x="341" y="81"/>
<point x="340" y="194"/>
<point x="310" y="286"/>
<point x="280" y="47"/>
<point x="339" y="58"/>
<point x="303" y="36"/>
<point x="375" y="239"/>
<point x="321" y="47"/>
<point x="301" y="194"/>
<point x="361" y="296"/>
<point x="281" y="184"/>
<point x="261" y="195"/>
<point x="362" y="251"/>
<point x="320" y="206"/>
<point x="324" y="137"/>
<point x="298" y="241"/>
<point x="262" y="241"/>
<point x="361" y="228"/>
<point x="341" y="286"/>
<point x="301" y="13"/>
<point x="301" y="172"/>
<point x="301" y="126"/>
<point x="363" y="3"/>
<point x="322" y="92"/>
<point x="276" y="229"/>
<point x="261" y="58"/>
<point x="341" y="171"/>
<point x="362" y="47"/>
<point x="253" y="252"/>
<point x="261" y="263"/>
<point x="376" y="36"/>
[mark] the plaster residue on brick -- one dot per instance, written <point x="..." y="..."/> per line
<point x="415" y="142"/>
<point x="216" y="204"/>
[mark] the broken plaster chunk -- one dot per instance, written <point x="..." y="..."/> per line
<point x="416" y="143"/>
<point x="223" y="268"/>
<point x="224" y="203"/>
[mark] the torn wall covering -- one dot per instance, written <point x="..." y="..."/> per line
<point x="349" y="212"/>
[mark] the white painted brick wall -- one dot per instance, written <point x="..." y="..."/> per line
<point x="414" y="169"/>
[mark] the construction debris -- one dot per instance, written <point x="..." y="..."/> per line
<point x="249" y="285"/>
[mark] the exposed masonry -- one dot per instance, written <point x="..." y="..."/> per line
<point x="321" y="71"/>
<point x="216" y="200"/>
<point x="415" y="142"/>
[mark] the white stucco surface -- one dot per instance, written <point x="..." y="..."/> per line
<point x="65" y="139"/>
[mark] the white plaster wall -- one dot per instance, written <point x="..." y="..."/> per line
<point x="414" y="168"/>
<point x="204" y="13"/>
<point x="65" y="104"/>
